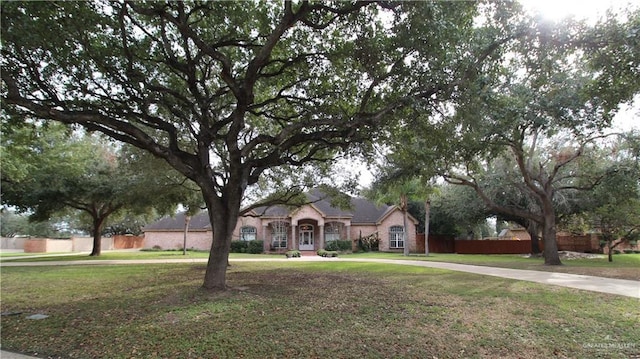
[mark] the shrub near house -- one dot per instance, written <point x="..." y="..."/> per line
<point x="252" y="247"/>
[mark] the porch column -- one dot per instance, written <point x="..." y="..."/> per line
<point x="348" y="228"/>
<point x="321" y="236"/>
<point x="294" y="241"/>
<point x="266" y="245"/>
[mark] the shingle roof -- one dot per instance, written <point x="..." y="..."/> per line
<point x="199" y="222"/>
<point x="362" y="211"/>
<point x="366" y="211"/>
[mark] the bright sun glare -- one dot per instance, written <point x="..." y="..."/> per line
<point x="581" y="9"/>
<point x="592" y="11"/>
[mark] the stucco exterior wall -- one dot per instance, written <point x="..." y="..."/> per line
<point x="307" y="212"/>
<point x="60" y="245"/>
<point x="85" y="244"/>
<point x="174" y="240"/>
<point x="75" y="244"/>
<point x="13" y="243"/>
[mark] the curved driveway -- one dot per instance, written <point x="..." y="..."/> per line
<point x="629" y="288"/>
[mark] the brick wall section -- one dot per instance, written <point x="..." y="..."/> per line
<point x="35" y="245"/>
<point x="174" y="240"/>
<point x="127" y="242"/>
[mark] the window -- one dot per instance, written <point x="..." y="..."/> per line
<point x="248" y="233"/>
<point x="279" y="234"/>
<point x="396" y="237"/>
<point x="332" y="232"/>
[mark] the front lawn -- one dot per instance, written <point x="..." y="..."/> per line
<point x="299" y="309"/>
<point x="624" y="266"/>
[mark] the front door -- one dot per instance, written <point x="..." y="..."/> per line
<point x="306" y="238"/>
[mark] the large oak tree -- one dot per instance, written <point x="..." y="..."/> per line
<point x="226" y="92"/>
<point x="540" y="109"/>
<point x="53" y="170"/>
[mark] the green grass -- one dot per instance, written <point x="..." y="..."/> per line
<point x="133" y="255"/>
<point x="624" y="266"/>
<point x="313" y="310"/>
<point x="18" y="254"/>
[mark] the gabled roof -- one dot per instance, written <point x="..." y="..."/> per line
<point x="362" y="211"/>
<point x="199" y="222"/>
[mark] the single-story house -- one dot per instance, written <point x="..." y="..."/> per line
<point x="306" y="228"/>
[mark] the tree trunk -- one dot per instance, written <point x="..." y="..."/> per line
<point x="404" y="205"/>
<point x="223" y="216"/>
<point x="216" y="275"/>
<point x="187" y="219"/>
<point x="551" y="256"/>
<point x="427" y="210"/>
<point x="610" y="247"/>
<point x="532" y="228"/>
<point x="405" y="234"/>
<point x="97" y="236"/>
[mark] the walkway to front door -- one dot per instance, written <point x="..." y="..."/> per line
<point x="306" y="238"/>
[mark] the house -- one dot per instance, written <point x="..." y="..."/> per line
<point x="306" y="228"/>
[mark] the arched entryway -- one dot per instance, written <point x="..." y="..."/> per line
<point x="306" y="238"/>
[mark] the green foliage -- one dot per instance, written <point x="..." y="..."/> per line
<point x="325" y="253"/>
<point x="255" y="247"/>
<point x="456" y="211"/>
<point x="612" y="207"/>
<point x="338" y="245"/>
<point x="251" y="247"/>
<point x="293" y="254"/>
<point x="239" y="246"/>
<point x="231" y="94"/>
<point x="96" y="185"/>
<point x="612" y="47"/>
<point x="519" y="132"/>
<point x="18" y="224"/>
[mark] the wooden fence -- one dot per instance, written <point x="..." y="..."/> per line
<point x="437" y="243"/>
<point x="447" y="244"/>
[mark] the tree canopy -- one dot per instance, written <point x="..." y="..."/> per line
<point x="52" y="169"/>
<point x="226" y="92"/>
<point x="539" y="110"/>
<point x="612" y="208"/>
